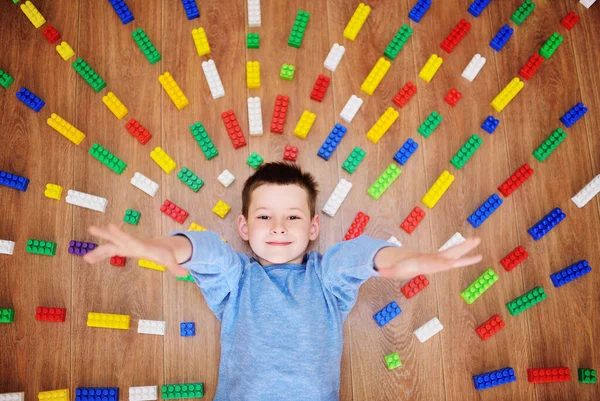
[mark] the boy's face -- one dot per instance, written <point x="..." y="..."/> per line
<point x="279" y="226"/>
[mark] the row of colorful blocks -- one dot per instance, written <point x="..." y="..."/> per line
<point x="534" y="375"/>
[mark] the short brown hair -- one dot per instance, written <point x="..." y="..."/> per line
<point x="280" y="173"/>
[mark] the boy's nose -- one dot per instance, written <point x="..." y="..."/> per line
<point x="278" y="230"/>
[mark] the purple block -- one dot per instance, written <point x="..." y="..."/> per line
<point x="81" y="247"/>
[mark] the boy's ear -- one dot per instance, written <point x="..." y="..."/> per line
<point x="315" y="227"/>
<point x="242" y="227"/>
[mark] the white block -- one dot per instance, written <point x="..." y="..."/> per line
<point x="157" y="327"/>
<point x="143" y="393"/>
<point x="456" y="239"/>
<point x="214" y="80"/>
<point x="587" y="3"/>
<point x="254" y="13"/>
<point x="429" y="329"/>
<point x="351" y="108"/>
<point x="587" y="193"/>
<point x="337" y="197"/>
<point x="87" y="201"/>
<point x="473" y="68"/>
<point x="334" y="57"/>
<point x="226" y="178"/>
<point x="7" y="248"/>
<point x="144" y="183"/>
<point x="12" y="397"/>
<point x="255" y="116"/>
<point x="394" y="241"/>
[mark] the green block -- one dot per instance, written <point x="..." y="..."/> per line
<point x="551" y="45"/>
<point x="430" y="124"/>
<point x="550" y="144"/>
<point x="40" y="247"/>
<point x="7" y="315"/>
<point x="5" y="79"/>
<point x="15" y="1"/>
<point x="526" y="301"/>
<point x="298" y="29"/>
<point x="398" y="42"/>
<point x="384" y="181"/>
<point x="190" y="179"/>
<point x="523" y="12"/>
<point x="354" y="159"/>
<point x="255" y="160"/>
<point x="464" y="154"/>
<point x="108" y="159"/>
<point x="253" y="41"/>
<point x="287" y="72"/>
<point x="587" y="376"/>
<point x="146" y="45"/>
<point x="89" y="75"/>
<point x="479" y="286"/>
<point x="179" y="391"/>
<point x="132" y="217"/>
<point x="392" y="361"/>
<point x="206" y="144"/>
<point x="185" y="278"/>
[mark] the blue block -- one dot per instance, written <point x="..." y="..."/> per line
<point x="122" y="11"/>
<point x="97" y="394"/>
<point x="13" y="181"/>
<point x="332" y="141"/>
<point x="490" y="124"/>
<point x="484" y="211"/>
<point x="30" y="99"/>
<point x="546" y="224"/>
<point x="501" y="37"/>
<point x="478" y="6"/>
<point x="570" y="273"/>
<point x="495" y="378"/>
<point x="386" y="314"/>
<point x="406" y="151"/>
<point x="573" y="115"/>
<point x="419" y="10"/>
<point x="187" y="329"/>
<point x="191" y="9"/>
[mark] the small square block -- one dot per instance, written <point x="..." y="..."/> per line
<point x="392" y="361"/>
<point x="118" y="261"/>
<point x="290" y="153"/>
<point x="132" y="217"/>
<point x="187" y="329"/>
<point x="253" y="41"/>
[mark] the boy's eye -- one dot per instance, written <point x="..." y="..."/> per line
<point x="263" y="217"/>
<point x="294" y="217"/>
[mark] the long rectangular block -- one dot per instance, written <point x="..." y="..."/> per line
<point x="181" y="391"/>
<point x="332" y="141"/>
<point x="570" y="273"/>
<point x="54" y="395"/>
<point x="336" y="198"/>
<point x="574" y="114"/>
<point x="105" y="157"/>
<point x="143" y="393"/>
<point x="524" y="11"/>
<point x="550" y="144"/>
<point x="484" y="211"/>
<point x="41" y="247"/>
<point x="515" y="180"/>
<point x="173" y="90"/>
<point x="32" y="14"/>
<point x="419" y="10"/>
<point x="507" y="94"/>
<point x="494" y="378"/>
<point x="456" y="35"/>
<point x="65" y="129"/>
<point x="89" y="75"/>
<point x="428" y="330"/>
<point x="358" y="226"/>
<point x="299" y="28"/>
<point x="382" y="125"/>
<point x="502" y="37"/>
<point x="304" y="124"/>
<point x="526" y="301"/>
<point x="203" y="139"/>
<point x="320" y="88"/>
<point x="279" y="114"/>
<point x="385" y="315"/>
<point x="430" y="68"/>
<point x="466" y="151"/>
<point x="123" y="12"/>
<point x="383" y="182"/>
<point x="163" y="160"/>
<point x="548" y="375"/>
<point x="376" y="75"/>
<point x="7" y="247"/>
<point x="191" y="9"/>
<point x="253" y="74"/>
<point x="97" y="394"/>
<point x="551" y="45"/>
<point x="474" y="67"/>
<point x="398" y="42"/>
<point x="108" y="321"/>
<point x="490" y="327"/>
<point x="234" y="131"/>
<point x="146" y="46"/>
<point x="87" y="201"/>
<point x="430" y="124"/>
<point x="413" y="219"/>
<point x="588" y="192"/>
<point x="144" y="183"/>
<point x="357" y="21"/>
<point x="477" y="7"/>
<point x="254" y="18"/>
<point x="215" y="85"/>
<point x="80" y="248"/>
<point x="438" y="189"/>
<point x="200" y="41"/>
<point x="334" y="57"/>
<point x="546" y="224"/>
<point x="30" y="99"/>
<point x="148" y="264"/>
<point x="12" y="396"/>
<point x="351" y="108"/>
<point x="157" y="327"/>
<point x="514" y="258"/>
<point x="13" y="181"/>
<point x="7" y="315"/>
<point x="255" y="116"/>
<point x="414" y="286"/>
<point x="479" y="286"/>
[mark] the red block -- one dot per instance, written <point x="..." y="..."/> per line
<point x="570" y="20"/>
<point x="405" y="94"/>
<point x="412" y="220"/>
<point x="279" y="114"/>
<point x="358" y="226"/>
<point x="51" y="34"/>
<point x="414" y="286"/>
<point x="514" y="258"/>
<point x="490" y="327"/>
<point x="454" y="38"/>
<point x="138" y="131"/>
<point x="174" y="211"/>
<point x="46" y="314"/>
<point x="118" y="260"/>
<point x="320" y="88"/>
<point x="233" y="129"/>
<point x="290" y="153"/>
<point x="453" y="97"/>
<point x="548" y="375"/>
<point x="514" y="181"/>
<point x="531" y="66"/>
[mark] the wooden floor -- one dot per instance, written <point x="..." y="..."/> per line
<point x="564" y="330"/>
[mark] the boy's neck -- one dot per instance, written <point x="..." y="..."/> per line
<point x="296" y="261"/>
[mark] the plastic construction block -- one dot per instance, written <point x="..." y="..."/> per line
<point x="570" y="273"/>
<point x="201" y="41"/>
<point x="132" y="217"/>
<point x="33" y="14"/>
<point x="419" y="10"/>
<point x="7" y="247"/>
<point x="253" y="74"/>
<point x="405" y="94"/>
<point x="477" y="7"/>
<point x="107" y="158"/>
<point x="573" y="115"/>
<point x="226" y="178"/>
<point x="338" y="195"/>
<point x="144" y="183"/>
<point x="474" y="67"/>
<point x="531" y="66"/>
<point x="156" y="327"/>
<point x="570" y="20"/>
<point x="485" y="210"/>
<point x="118" y="261"/>
<point x="456" y="239"/>
<point x="255" y="160"/>
<point x="190" y="179"/>
<point x="254" y="19"/>
<point x="384" y="316"/>
<point x="526" y="301"/>
<point x="551" y="45"/>
<point x="287" y="72"/>
<point x="320" y="88"/>
<point x="80" y="248"/>
<point x="550" y="144"/>
<point x="383" y="182"/>
<point x="180" y="391"/>
<point x="507" y="94"/>
<point x="428" y="330"/>
<point x="358" y="226"/>
<point x="187" y="329"/>
<point x="108" y="321"/>
<point x="490" y="327"/>
<point x="255" y="122"/>
<point x="332" y="141"/>
<point x="87" y="201"/>
<point x="585" y="3"/>
<point x="304" y="124"/>
<point x="51" y="34"/>
<point x="546" y="224"/>
<point x="252" y="40"/>
<point x="414" y="286"/>
<point x="501" y="37"/>
<point x="174" y="211"/>
<point x="395" y="241"/>
<point x="13" y="181"/>
<point x="143" y="393"/>
<point x="41" y="247"/>
<point x="398" y="42"/>
<point x="382" y="125"/>
<point x="5" y="79"/>
<point x="299" y="28"/>
<point x="123" y="12"/>
<point x="191" y="9"/>
<point x="453" y="97"/>
<point x="213" y="79"/>
<point x="479" y="286"/>
<point x="148" y="264"/>
<point x="587" y="376"/>
<point x="357" y="21"/>
<point x="88" y="74"/>
<point x="163" y="160"/>
<point x="233" y="129"/>
<point x="353" y="160"/>
<point x="12" y="396"/>
<point x="30" y="99"/>
<point x="493" y="379"/>
<point x="146" y="45"/>
<point x="372" y="80"/>
<point x="514" y="258"/>
<point x="430" y="68"/>
<point x="65" y="50"/>
<point x="588" y="192"/>
<point x="392" y="361"/>
<point x="524" y="11"/>
<point x="455" y="36"/>
<point x="206" y="144"/>
<point x="490" y="124"/>
<point x="54" y="395"/>
<point x="97" y="394"/>
<point x="466" y="151"/>
<point x="438" y="189"/>
<point x="406" y="151"/>
<point x="279" y="114"/>
<point x="412" y="220"/>
<point x="351" y="108"/>
<point x="430" y="124"/>
<point x="290" y="153"/>
<point x="7" y="315"/>
<point x="334" y="57"/>
<point x="548" y="375"/>
<point x="138" y="131"/>
<point x="173" y="90"/>
<point x="221" y="209"/>
<point x="516" y="180"/>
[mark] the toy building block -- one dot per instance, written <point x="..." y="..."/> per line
<point x="80" y="248"/>
<point x="587" y="376"/>
<point x="156" y="327"/>
<point x="551" y="45"/>
<point x="6" y="247"/>
<point x="51" y="34"/>
<point x="405" y="94"/>
<point x="585" y="3"/>
<point x="477" y="7"/>
<point x="570" y="273"/>
<point x="65" y="50"/>
<point x="419" y="10"/>
<point x="395" y="241"/>
<point x="190" y="179"/>
<point x="490" y="327"/>
<point x="146" y="45"/>
<point x="332" y="141"/>
<point x="406" y="151"/>
<point x="54" y="395"/>
<point x="252" y="41"/>
<point x="524" y="11"/>
<point x="255" y="116"/>
<point x="398" y="42"/>
<point x="353" y="160"/>
<point x="118" y="261"/>
<point x="253" y="74"/>
<point x="430" y="124"/>
<point x="573" y="115"/>
<point x="507" y="94"/>
<point x="502" y="37"/>
<point x="384" y="316"/>
<point x="338" y="195"/>
<point x="546" y="224"/>
<point x="226" y="178"/>
<point x="41" y="247"/>
<point x="254" y="19"/>
<point x="320" y="88"/>
<point x="357" y="21"/>
<point x="383" y="182"/>
<point x="290" y="153"/>
<point x="97" y="394"/>
<point x="47" y="314"/>
<point x="221" y="209"/>
<point x="588" y="192"/>
<point x="479" y="286"/>
<point x="180" y="391"/>
<point x="12" y="396"/>
<point x="570" y="20"/>
<point x="213" y="79"/>
<point x="382" y="125"/>
<point x="30" y="99"/>
<point x="548" y="375"/>
<point x="515" y="180"/>
<point x="412" y="220"/>
<point x="357" y="227"/>
<point x="187" y="329"/>
<point x="484" y="211"/>
<point x="279" y="114"/>
<point x="143" y="393"/>
<point x="466" y="151"/>
<point x="430" y="68"/>
<point x="428" y="330"/>
<point x="13" y="181"/>
<point x="526" y="301"/>
<point x="123" y="12"/>
<point x="138" y="131"/>
<point x="173" y="211"/>
<point x="437" y="190"/>
<point x="304" y="124"/>
<point x="531" y="66"/>
<point x="163" y="160"/>
<point x="144" y="183"/>
<point x="108" y="321"/>
<point x="474" y="67"/>
<point x="132" y="217"/>
<point x="107" y="158"/>
<point x="191" y="9"/>
<point x="33" y="14"/>
<point x="493" y="379"/>
<point x="87" y="201"/>
<point x="201" y="41"/>
<point x="375" y="76"/>
<point x="287" y="72"/>
<point x="455" y="36"/>
<point x="392" y="361"/>
<point x="334" y="57"/>
<point x="490" y="124"/>
<point x="148" y="264"/>
<point x="514" y="258"/>
<point x="255" y="160"/>
<point x="7" y="315"/>
<point x="297" y="34"/>
<point x="456" y="239"/>
<point x="173" y="90"/>
<point x="206" y="144"/>
<point x="88" y="74"/>
<point x="550" y="144"/>
<point x="351" y="108"/>
<point x="453" y="97"/>
<point x="196" y="227"/>
<point x="233" y="129"/>
<point x="5" y="79"/>
<point x="414" y="286"/>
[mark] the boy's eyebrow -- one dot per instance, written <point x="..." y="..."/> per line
<point x="291" y="208"/>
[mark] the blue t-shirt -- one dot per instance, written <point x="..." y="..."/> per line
<point x="281" y="325"/>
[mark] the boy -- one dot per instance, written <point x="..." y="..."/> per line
<point x="281" y="312"/>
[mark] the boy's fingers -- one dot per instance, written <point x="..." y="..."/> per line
<point x="120" y="235"/>
<point x="461" y="249"/>
<point x="177" y="270"/>
<point x="102" y="233"/>
<point x="102" y="252"/>
<point x="467" y="261"/>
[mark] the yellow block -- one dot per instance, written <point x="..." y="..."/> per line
<point x="196" y="227"/>
<point x="163" y="160"/>
<point x="375" y="76"/>
<point x="221" y="209"/>
<point x="305" y="124"/>
<point x="431" y="67"/>
<point x="384" y="123"/>
<point x="115" y="105"/>
<point x="201" y="41"/>
<point x="54" y="395"/>
<point x="65" y="129"/>
<point x="173" y="90"/>
<point x="33" y="14"/>
<point x="65" y="51"/>
<point x="108" y="321"/>
<point x="507" y="94"/>
<point x="53" y="191"/>
<point x="253" y="74"/>
<point x="356" y="22"/>
<point x="148" y="264"/>
<point x="437" y="190"/>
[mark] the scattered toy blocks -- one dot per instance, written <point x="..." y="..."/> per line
<point x="80" y="248"/>
<point x="201" y="41"/>
<point x="430" y="68"/>
<point x="299" y="28"/>
<point x="419" y="10"/>
<point x="524" y="11"/>
<point x="382" y="125"/>
<point x="30" y="99"/>
<point x="255" y="116"/>
<point x="148" y="264"/>
<point x="551" y="45"/>
<point x="405" y="94"/>
<point x="484" y="211"/>
<point x="437" y="190"/>
<point x="191" y="9"/>
<point x="107" y="158"/>
<point x="570" y="20"/>
<point x="123" y="12"/>
<point x="138" y="131"/>
<point x="65" y="50"/>
<point x="493" y="379"/>
<point x="108" y="321"/>
<point x="144" y="183"/>
<point x="253" y="74"/>
<point x="118" y="261"/>
<point x="255" y="160"/>
<point x="406" y="151"/>
<point x="226" y="178"/>
<point x="479" y="286"/>
<point x="87" y="201"/>
<point x="573" y="115"/>
<point x="320" y="88"/>
<point x="546" y="224"/>
<point x="570" y="273"/>
<point x="179" y="391"/>
<point x="146" y="46"/>
<point x="357" y="227"/>
<point x="5" y="79"/>
<point x="213" y="79"/>
<point x="428" y="330"/>
<point x="526" y="301"/>
<point x="206" y="144"/>
<point x="174" y="211"/>
<point x="384" y="316"/>
<point x="187" y="329"/>
<point x="7" y="247"/>
<point x="477" y="7"/>
<point x="588" y="192"/>
<point x="221" y="209"/>
<point x="190" y="179"/>
<point x="252" y="41"/>
<point x="392" y="361"/>
<point x="474" y="67"/>
<point x="351" y="108"/>
<point x="456" y="239"/>
<point x="398" y="42"/>
<point x="87" y="73"/>
<point x="32" y="13"/>
<point x="412" y="220"/>
<point x="357" y="21"/>
<point x="332" y="141"/>
<point x="531" y="66"/>
<point x="304" y="124"/>
<point x="156" y="327"/>
<point x="13" y="181"/>
<point x="173" y="90"/>
<point x="430" y="124"/>
<point x="507" y="94"/>
<point x="490" y="327"/>
<point x="54" y="395"/>
<point x="414" y="286"/>
<point x="233" y="129"/>
<point x="490" y="124"/>
<point x="338" y="195"/>
<point x="372" y="80"/>
<point x="334" y="57"/>
<point x="287" y="72"/>
<point x="7" y="315"/>
<point x="279" y="114"/>
<point x="383" y="182"/>
<point x="132" y="217"/>
<point x="453" y="97"/>
<point x="548" y="375"/>
<point x="254" y="19"/>
<point x="587" y="376"/>
<point x="454" y="37"/>
<point x="290" y="153"/>
<point x="466" y="151"/>
<point x="550" y="144"/>
<point x="47" y="314"/>
<point x="514" y="258"/>
<point x="51" y="34"/>
<point x="502" y="37"/>
<point x="41" y="247"/>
